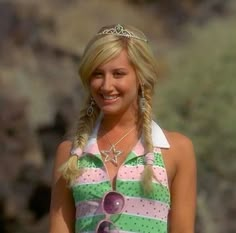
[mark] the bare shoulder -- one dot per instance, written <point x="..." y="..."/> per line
<point x="62" y="155"/>
<point x="63" y="150"/>
<point x="62" y="209"/>
<point x="182" y="179"/>
<point x="180" y="146"/>
<point x="178" y="139"/>
<point x="180" y="157"/>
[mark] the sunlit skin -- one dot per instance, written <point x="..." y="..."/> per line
<point x="114" y="86"/>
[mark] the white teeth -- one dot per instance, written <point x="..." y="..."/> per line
<point x="109" y="97"/>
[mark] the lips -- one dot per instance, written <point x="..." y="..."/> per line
<point x="110" y="97"/>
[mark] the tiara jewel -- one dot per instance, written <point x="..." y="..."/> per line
<point x="119" y="30"/>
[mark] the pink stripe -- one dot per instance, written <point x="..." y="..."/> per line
<point x="77" y="151"/>
<point x="88" y="208"/>
<point x="147" y="208"/>
<point x="134" y="174"/>
<point x="139" y="149"/>
<point x="133" y="206"/>
<point x="92" y="147"/>
<point x="96" y="175"/>
<point x="92" y="175"/>
<point x="157" y="150"/>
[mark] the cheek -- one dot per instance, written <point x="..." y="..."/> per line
<point x="132" y="93"/>
<point x="94" y="85"/>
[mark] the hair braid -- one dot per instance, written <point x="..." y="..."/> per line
<point x="147" y="132"/>
<point x="84" y="127"/>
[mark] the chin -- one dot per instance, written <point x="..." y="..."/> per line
<point x="107" y="111"/>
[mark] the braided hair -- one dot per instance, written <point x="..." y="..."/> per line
<point x="101" y="49"/>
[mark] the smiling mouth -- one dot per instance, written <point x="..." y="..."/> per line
<point x="110" y="97"/>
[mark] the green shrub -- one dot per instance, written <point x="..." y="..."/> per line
<point x="199" y="96"/>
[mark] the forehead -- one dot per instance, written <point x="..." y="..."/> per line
<point x="120" y="61"/>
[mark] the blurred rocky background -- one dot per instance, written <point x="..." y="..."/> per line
<point x="40" y="94"/>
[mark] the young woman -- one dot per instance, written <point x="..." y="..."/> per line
<point x="122" y="172"/>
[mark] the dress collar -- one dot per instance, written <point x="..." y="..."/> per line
<point x="158" y="139"/>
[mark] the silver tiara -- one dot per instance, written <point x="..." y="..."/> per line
<point x="119" y="30"/>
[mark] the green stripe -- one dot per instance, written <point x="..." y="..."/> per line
<point x="131" y="156"/>
<point x="85" y="192"/>
<point x="127" y="188"/>
<point x="158" y="160"/>
<point x="140" y="224"/>
<point x="134" y="189"/>
<point x="133" y="160"/>
<point x="95" y="161"/>
<point x="87" y="224"/>
<point x="124" y="222"/>
<point x="90" y="161"/>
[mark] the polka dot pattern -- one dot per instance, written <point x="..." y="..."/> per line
<point x="133" y="206"/>
<point x="89" y="192"/>
<point x="140" y="160"/>
<point x="142" y="213"/>
<point x="85" y="224"/>
<point x="91" y="176"/>
<point x="134" y="189"/>
<point x="129" y="223"/>
<point x="130" y="173"/>
<point x="90" y="161"/>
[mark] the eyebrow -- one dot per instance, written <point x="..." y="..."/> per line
<point x="115" y="69"/>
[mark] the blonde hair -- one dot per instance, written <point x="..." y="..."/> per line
<point x="101" y="49"/>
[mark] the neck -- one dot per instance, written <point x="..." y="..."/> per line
<point x="119" y="122"/>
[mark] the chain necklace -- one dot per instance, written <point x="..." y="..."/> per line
<point x="112" y="154"/>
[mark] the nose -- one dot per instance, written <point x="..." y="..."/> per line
<point x="107" y="83"/>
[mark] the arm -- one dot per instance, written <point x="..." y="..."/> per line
<point x="62" y="210"/>
<point x="183" y="188"/>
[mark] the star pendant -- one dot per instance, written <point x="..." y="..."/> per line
<point x="111" y="154"/>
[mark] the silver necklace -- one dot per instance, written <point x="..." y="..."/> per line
<point x="113" y="153"/>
